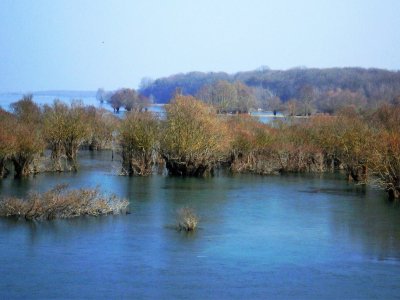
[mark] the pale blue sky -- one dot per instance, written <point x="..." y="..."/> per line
<point x="78" y="44"/>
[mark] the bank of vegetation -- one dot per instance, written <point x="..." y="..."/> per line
<point x="198" y="136"/>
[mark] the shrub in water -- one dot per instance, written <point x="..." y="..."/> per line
<point x="187" y="219"/>
<point x="62" y="203"/>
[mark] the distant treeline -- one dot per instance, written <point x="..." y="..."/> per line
<point x="273" y="89"/>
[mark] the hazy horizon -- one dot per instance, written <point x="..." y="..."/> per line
<point x="84" y="45"/>
<point x="58" y="91"/>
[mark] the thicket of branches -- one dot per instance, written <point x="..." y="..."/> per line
<point x="29" y="130"/>
<point x="193" y="140"/>
<point x="138" y="141"/>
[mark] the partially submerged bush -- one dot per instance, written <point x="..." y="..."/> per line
<point x="102" y="125"/>
<point x="250" y="145"/>
<point x="295" y="150"/>
<point x="60" y="203"/>
<point x="385" y="165"/>
<point x="187" y="219"/>
<point x="65" y="130"/>
<point x="194" y="138"/>
<point x="7" y="141"/>
<point x="138" y="141"/>
<point x="262" y="149"/>
<point x="21" y="143"/>
<point x="28" y="146"/>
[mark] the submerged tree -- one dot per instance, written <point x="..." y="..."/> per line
<point x="194" y="138"/>
<point x="7" y="140"/>
<point x="101" y="127"/>
<point x="353" y="141"/>
<point x="101" y="95"/>
<point x="250" y="145"/>
<point x="25" y="125"/>
<point x="54" y="132"/>
<point x="129" y="99"/>
<point x="76" y="131"/>
<point x="66" y="128"/>
<point x="29" y="144"/>
<point x="385" y="162"/>
<point x="345" y="140"/>
<point x="307" y="97"/>
<point x="138" y="140"/>
<point x="228" y="97"/>
<point x="221" y="94"/>
<point x="245" y="98"/>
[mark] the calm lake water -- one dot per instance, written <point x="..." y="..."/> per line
<point x="259" y="237"/>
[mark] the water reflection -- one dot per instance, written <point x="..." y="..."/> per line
<point x="370" y="224"/>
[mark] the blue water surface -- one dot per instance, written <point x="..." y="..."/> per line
<point x="272" y="237"/>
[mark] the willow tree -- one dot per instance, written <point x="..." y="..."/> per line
<point x="221" y="94"/>
<point x="385" y="162"/>
<point x="25" y="139"/>
<point x="102" y="125"/>
<point x="245" y="97"/>
<point x="29" y="144"/>
<point x="251" y="145"/>
<point x="138" y="140"/>
<point x="228" y="97"/>
<point x="129" y="99"/>
<point x="54" y="132"/>
<point x="194" y="138"/>
<point x="353" y="139"/>
<point x="7" y="140"/>
<point x="65" y="129"/>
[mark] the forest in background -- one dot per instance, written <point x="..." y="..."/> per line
<point x="298" y="90"/>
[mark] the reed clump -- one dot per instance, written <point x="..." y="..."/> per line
<point x="61" y="203"/>
<point x="187" y="219"/>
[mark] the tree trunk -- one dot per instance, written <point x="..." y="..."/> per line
<point x="21" y="166"/>
<point x="56" y="159"/>
<point x="190" y="169"/>
<point x="3" y="169"/>
<point x="72" y="163"/>
<point x="357" y="174"/>
<point x="393" y="188"/>
<point x="394" y="193"/>
<point x="71" y="151"/>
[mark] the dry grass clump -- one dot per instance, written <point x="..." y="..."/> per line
<point x="62" y="203"/>
<point x="187" y="219"/>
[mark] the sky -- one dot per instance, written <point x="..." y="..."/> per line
<point x="88" y="44"/>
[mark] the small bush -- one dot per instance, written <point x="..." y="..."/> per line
<point x="62" y="203"/>
<point x="187" y="219"/>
